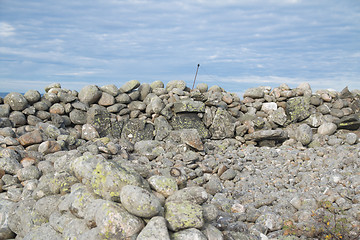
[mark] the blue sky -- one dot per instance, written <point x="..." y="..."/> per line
<point x="238" y="43"/>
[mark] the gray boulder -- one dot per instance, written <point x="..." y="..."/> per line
<point x="10" y="165"/>
<point x="110" y="89"/>
<point x="298" y="108"/>
<point x="17" y="118"/>
<point x="327" y="128"/>
<point x="44" y="232"/>
<point x="129" y="86"/>
<point x="155" y="229"/>
<point x="106" y="99"/>
<point x="223" y="125"/>
<point x="139" y="201"/>
<point x="189" y="106"/>
<point x="163" y="185"/>
<point x="78" y="116"/>
<point x="162" y="128"/>
<point x="16" y="101"/>
<point x="304" y="134"/>
<point x="197" y="195"/>
<point x="183" y="214"/>
<point x="144" y="90"/>
<point x="89" y="94"/>
<point x="149" y="148"/>
<point x="4" y="110"/>
<point x="104" y="177"/>
<point x="278" y="116"/>
<point x="5" y="231"/>
<point x="190" y="121"/>
<point x="191" y="137"/>
<point x="157" y="84"/>
<point x="136" y="130"/>
<point x="180" y="84"/>
<point x="112" y="220"/>
<point x="203" y="87"/>
<point x="32" y="96"/>
<point x="257" y="92"/>
<point x="189" y="234"/>
<point x="23" y="218"/>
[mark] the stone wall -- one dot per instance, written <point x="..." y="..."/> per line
<point x="135" y="112"/>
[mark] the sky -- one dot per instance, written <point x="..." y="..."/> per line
<point x="238" y="43"/>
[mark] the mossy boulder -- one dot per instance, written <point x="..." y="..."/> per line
<point x="106" y="178"/>
<point x="183" y="214"/>
<point x="298" y="109"/>
<point x="189" y="121"/>
<point x="136" y="130"/>
<point x="139" y="201"/>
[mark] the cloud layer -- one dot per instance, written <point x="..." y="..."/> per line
<point x="239" y="44"/>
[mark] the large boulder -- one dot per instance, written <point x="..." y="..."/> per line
<point x="136" y="130"/>
<point x="304" y="134"/>
<point x="298" y="108"/>
<point x="16" y="101"/>
<point x="180" y="84"/>
<point x="129" y="86"/>
<point x="155" y="229"/>
<point x="188" y="121"/>
<point x="189" y="106"/>
<point x="112" y="221"/>
<point x="257" y="92"/>
<point x="183" y="214"/>
<point x="104" y="177"/>
<point x="223" y="125"/>
<point x="139" y="201"/>
<point x="101" y="120"/>
<point x="90" y="94"/>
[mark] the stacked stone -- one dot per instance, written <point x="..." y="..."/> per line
<point x="152" y="162"/>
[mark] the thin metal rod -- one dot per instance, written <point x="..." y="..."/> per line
<point x="196" y="75"/>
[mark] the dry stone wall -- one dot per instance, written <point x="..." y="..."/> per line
<point x="136" y="112"/>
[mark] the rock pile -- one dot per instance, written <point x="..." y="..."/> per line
<point x="148" y="161"/>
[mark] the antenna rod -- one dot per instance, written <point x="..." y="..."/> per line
<point x="196" y="75"/>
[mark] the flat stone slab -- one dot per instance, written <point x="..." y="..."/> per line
<point x="276" y="134"/>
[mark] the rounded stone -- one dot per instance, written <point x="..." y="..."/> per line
<point x="28" y="173"/>
<point x="304" y="134"/>
<point x="89" y="94"/>
<point x="106" y="99"/>
<point x="203" y="87"/>
<point x="32" y="96"/>
<point x="327" y="128"/>
<point x="52" y="85"/>
<point x="164" y="185"/>
<point x="157" y="84"/>
<point x="110" y="89"/>
<point x="57" y="108"/>
<point x="180" y="84"/>
<point x="17" y="118"/>
<point x="184" y="214"/>
<point x="16" y="101"/>
<point x="351" y="138"/>
<point x="139" y="201"/>
<point x="78" y="116"/>
<point x="129" y="86"/>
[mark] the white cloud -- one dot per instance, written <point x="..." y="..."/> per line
<point x="6" y="29"/>
<point x="77" y="74"/>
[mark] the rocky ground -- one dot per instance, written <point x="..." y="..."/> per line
<point x="154" y="162"/>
